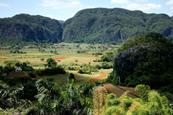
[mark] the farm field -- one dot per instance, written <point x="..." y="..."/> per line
<point x="65" y="54"/>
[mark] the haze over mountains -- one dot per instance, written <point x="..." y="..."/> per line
<point x="98" y="25"/>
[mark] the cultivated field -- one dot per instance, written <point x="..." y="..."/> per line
<point x="66" y="54"/>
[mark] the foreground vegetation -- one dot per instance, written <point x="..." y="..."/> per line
<point x="149" y="103"/>
<point x="64" y="85"/>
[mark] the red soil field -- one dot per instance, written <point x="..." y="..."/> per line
<point x="59" y="58"/>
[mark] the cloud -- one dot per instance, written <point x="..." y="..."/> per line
<point x="137" y="5"/>
<point x="61" y="4"/>
<point x="4" y="5"/>
<point x="119" y="1"/>
<point x="143" y="7"/>
<point x="170" y="3"/>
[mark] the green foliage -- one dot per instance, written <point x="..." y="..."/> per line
<point x="108" y="57"/>
<point x="154" y="104"/>
<point x="8" y="68"/>
<point x="67" y="100"/>
<point x="28" y="28"/>
<point x="142" y="91"/>
<point x="104" y="65"/>
<point x="51" y="63"/>
<point x="112" y="78"/>
<point x="44" y="96"/>
<point x="101" y="25"/>
<point x="51" y="71"/>
<point x="24" y="66"/>
<point x="145" y="59"/>
<point x="10" y="96"/>
<point x="87" y="69"/>
<point x="51" y="68"/>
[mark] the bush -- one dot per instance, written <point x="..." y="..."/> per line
<point x="51" y="71"/>
<point x="8" y="68"/>
<point x="51" y="63"/>
<point x="142" y="91"/>
<point x="154" y="104"/>
<point x="24" y="66"/>
<point x="105" y="65"/>
<point x="87" y="69"/>
<point x="75" y="68"/>
<point x="108" y="57"/>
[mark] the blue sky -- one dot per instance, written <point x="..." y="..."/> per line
<point x="64" y="9"/>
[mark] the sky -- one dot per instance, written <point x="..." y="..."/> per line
<point x="64" y="9"/>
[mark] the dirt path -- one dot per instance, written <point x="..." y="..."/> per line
<point x="101" y="76"/>
<point x="100" y="92"/>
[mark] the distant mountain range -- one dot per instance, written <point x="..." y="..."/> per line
<point x="98" y="25"/>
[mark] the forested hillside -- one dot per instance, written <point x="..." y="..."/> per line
<point x="99" y="25"/>
<point x="113" y="25"/>
<point x="30" y="28"/>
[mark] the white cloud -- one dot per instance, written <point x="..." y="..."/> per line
<point x="119" y="1"/>
<point x="143" y="7"/>
<point x="170" y="3"/>
<point x="4" y="5"/>
<point x="61" y="4"/>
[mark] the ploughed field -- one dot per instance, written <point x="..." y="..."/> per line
<point x="72" y="56"/>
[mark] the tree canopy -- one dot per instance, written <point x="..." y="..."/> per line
<point x="145" y="59"/>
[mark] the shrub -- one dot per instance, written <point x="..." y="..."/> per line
<point x="51" y="71"/>
<point x="142" y="91"/>
<point x="105" y="65"/>
<point x="75" y="68"/>
<point x="87" y="69"/>
<point x="154" y="104"/>
<point x="51" y="63"/>
<point x="24" y="66"/>
<point x="8" y="68"/>
<point x="108" y="57"/>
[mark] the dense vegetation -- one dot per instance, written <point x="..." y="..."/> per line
<point x="60" y="80"/>
<point x="145" y="59"/>
<point x="149" y="103"/>
<point x="30" y="28"/>
<point x="97" y="25"/>
<point x="33" y="94"/>
<point x="101" y="25"/>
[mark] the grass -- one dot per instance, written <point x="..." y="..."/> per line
<point x="66" y="54"/>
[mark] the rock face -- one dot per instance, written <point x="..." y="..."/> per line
<point x="113" y="25"/>
<point x="30" y="28"/>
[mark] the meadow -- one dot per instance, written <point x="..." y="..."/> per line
<point x="69" y="55"/>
